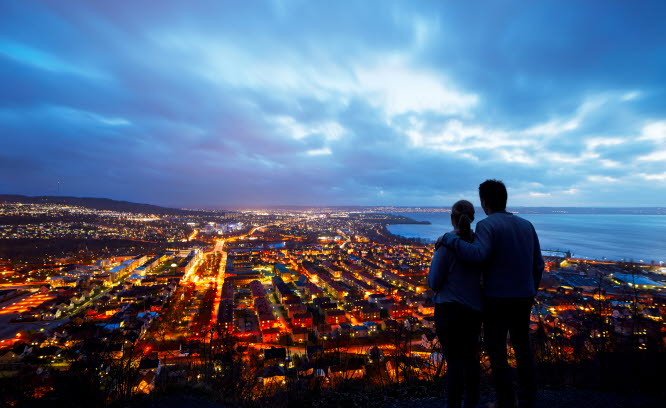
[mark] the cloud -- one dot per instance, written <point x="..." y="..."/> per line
<point x="655" y="177"/>
<point x="330" y="130"/>
<point x="655" y="131"/>
<point x="398" y="89"/>
<point x="319" y="152"/>
<point x="659" y="155"/>
<point x="343" y="103"/>
<point x="389" y="81"/>
<point x="601" y="179"/>
<point x="630" y="96"/>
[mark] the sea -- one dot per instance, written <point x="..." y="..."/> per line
<point x="641" y="238"/>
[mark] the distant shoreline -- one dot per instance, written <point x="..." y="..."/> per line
<point x="549" y="210"/>
<point x="425" y="209"/>
<point x="107" y="203"/>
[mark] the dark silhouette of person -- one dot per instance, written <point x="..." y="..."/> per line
<point x="457" y="286"/>
<point x="508" y="248"/>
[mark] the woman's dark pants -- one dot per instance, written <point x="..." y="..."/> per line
<point x="458" y="330"/>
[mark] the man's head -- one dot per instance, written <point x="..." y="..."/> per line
<point x="493" y="196"/>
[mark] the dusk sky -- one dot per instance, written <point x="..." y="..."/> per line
<point x="226" y="103"/>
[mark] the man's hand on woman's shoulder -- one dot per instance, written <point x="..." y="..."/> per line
<point x="445" y="240"/>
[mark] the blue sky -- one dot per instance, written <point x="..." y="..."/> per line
<point x="323" y="103"/>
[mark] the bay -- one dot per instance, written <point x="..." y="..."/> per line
<point x="592" y="236"/>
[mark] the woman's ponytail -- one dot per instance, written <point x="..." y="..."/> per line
<point x="463" y="212"/>
<point x="465" y="227"/>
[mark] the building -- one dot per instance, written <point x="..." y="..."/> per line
<point x="270" y="335"/>
<point x="300" y="334"/>
<point x="335" y="316"/>
<point x="302" y="320"/>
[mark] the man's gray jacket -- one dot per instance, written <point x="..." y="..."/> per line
<point x="508" y="248"/>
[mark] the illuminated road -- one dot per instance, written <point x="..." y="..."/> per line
<point x="219" y="247"/>
<point x="191" y="272"/>
<point x="347" y="240"/>
<point x="276" y="312"/>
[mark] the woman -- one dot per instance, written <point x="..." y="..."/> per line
<point x="457" y="287"/>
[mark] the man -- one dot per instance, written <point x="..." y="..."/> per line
<point x="508" y="248"/>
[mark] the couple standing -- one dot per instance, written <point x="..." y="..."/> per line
<point x="488" y="276"/>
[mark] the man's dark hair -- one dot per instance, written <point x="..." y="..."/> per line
<point x="493" y="193"/>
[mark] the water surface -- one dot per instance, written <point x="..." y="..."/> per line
<point x="597" y="236"/>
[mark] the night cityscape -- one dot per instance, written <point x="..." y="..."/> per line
<point x="377" y="203"/>
<point x="270" y="300"/>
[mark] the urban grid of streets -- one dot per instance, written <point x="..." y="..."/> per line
<point x="280" y="279"/>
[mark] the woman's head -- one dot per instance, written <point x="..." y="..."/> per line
<point x="462" y="215"/>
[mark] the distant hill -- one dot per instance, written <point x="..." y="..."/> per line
<point x="98" y="204"/>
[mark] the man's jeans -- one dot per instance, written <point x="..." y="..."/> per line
<point x="510" y="316"/>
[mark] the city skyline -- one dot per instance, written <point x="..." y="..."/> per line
<point x="377" y="103"/>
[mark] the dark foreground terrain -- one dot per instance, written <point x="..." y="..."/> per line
<point x="401" y="397"/>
